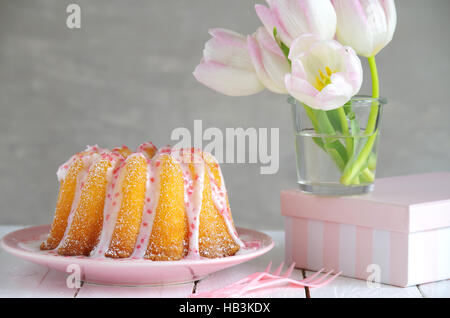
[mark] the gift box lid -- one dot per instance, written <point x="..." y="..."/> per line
<point x="404" y="204"/>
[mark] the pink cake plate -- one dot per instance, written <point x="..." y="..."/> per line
<point x="25" y="244"/>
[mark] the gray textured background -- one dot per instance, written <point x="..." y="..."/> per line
<point x="126" y="77"/>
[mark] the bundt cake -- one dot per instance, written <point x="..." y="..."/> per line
<point x="162" y="205"/>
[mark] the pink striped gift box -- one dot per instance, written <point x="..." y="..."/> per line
<point x="403" y="227"/>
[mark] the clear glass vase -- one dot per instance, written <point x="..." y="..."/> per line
<point x="336" y="150"/>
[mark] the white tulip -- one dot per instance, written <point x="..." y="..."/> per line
<point x="226" y="65"/>
<point x="365" y="25"/>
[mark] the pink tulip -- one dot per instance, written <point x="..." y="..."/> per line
<point x="365" y="25"/>
<point x="325" y="75"/>
<point x="226" y="65"/>
<point x="269" y="61"/>
<point x="293" y="18"/>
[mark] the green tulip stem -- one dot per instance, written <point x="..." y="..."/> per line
<point x="345" y="131"/>
<point x="375" y="94"/>
<point x="354" y="166"/>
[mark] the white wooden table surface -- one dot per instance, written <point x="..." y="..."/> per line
<point x="19" y="278"/>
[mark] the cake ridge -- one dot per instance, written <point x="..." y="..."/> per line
<point x="88" y="157"/>
<point x="111" y="208"/>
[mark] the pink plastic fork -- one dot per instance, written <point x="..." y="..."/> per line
<point x="235" y="287"/>
<point x="277" y="281"/>
<point x="265" y="274"/>
<point x="263" y="280"/>
<point x="273" y="280"/>
<point x="239" y="285"/>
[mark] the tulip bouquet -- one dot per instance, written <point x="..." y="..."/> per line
<point x="309" y="50"/>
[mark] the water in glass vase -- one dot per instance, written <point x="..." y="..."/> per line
<point x="322" y="159"/>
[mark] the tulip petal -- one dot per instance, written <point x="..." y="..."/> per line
<point x="307" y="16"/>
<point x="336" y="94"/>
<point x="377" y="23"/>
<point x="228" y="37"/>
<point x="270" y="67"/>
<point x="301" y="90"/>
<point x="227" y="80"/>
<point x="302" y="44"/>
<point x="322" y="18"/>
<point x="229" y="48"/>
<point x="267" y="42"/>
<point x="329" y="53"/>
<point x="271" y="21"/>
<point x="353" y="26"/>
<point x="292" y="16"/>
<point x="274" y="61"/>
<point x="353" y="69"/>
<point x="298" y="70"/>
<point x="391" y="18"/>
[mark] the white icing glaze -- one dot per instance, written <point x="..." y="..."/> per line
<point x="150" y="203"/>
<point x="113" y="200"/>
<point x="193" y="196"/>
<point x="89" y="151"/>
